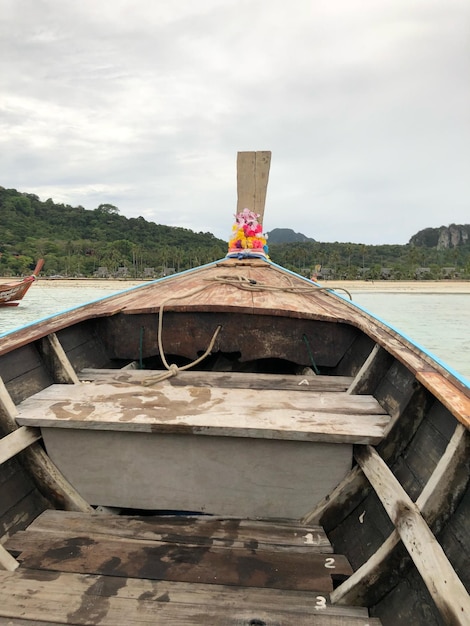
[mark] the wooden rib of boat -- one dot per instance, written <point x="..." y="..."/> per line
<point x="231" y="445"/>
<point x="12" y="293"/>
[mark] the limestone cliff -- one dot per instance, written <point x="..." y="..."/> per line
<point x="444" y="237"/>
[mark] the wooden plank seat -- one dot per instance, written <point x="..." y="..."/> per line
<point x="153" y="570"/>
<point x="255" y="413"/>
<point x="219" y="450"/>
<point x="234" y="380"/>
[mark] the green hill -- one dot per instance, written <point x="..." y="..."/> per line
<point x="79" y="242"/>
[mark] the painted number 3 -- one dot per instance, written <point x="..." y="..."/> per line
<point x="320" y="603"/>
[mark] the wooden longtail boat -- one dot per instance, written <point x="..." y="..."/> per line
<point x="231" y="445"/>
<point x="12" y="293"/>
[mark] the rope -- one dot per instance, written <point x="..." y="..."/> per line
<point x="239" y="281"/>
<point x="249" y="284"/>
<point x="173" y="369"/>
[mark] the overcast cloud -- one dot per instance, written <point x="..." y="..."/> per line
<point x="144" y="104"/>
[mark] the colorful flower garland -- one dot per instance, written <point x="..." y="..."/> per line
<point x="247" y="238"/>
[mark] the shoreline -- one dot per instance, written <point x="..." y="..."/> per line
<point x="388" y="286"/>
<point x="402" y="286"/>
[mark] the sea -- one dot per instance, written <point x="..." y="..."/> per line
<point x="437" y="322"/>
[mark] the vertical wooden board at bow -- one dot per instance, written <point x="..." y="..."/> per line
<point x="252" y="181"/>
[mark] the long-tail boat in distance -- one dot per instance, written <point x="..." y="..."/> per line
<point x="233" y="444"/>
<point x="12" y="293"/>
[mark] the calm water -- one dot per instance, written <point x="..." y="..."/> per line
<point x="440" y="323"/>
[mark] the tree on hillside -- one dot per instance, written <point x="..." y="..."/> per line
<point x="108" y="209"/>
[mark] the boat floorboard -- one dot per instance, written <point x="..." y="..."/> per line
<point x="173" y="570"/>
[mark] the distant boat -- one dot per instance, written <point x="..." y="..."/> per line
<point x="12" y="293"/>
<point x="231" y="445"/>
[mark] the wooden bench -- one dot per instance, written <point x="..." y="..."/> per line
<point x="266" y="451"/>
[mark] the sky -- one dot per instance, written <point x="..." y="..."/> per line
<point x="143" y="104"/>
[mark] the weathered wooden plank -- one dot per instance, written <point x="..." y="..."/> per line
<point x="372" y="370"/>
<point x="18" y="440"/>
<point x="115" y="601"/>
<point x="451" y="397"/>
<point x="7" y="562"/>
<point x="205" y="530"/>
<point x="14" y="484"/>
<point x="8" y="410"/>
<point x="23" y="372"/>
<point x="252" y="181"/>
<point x="233" y="380"/>
<point x="20" y="514"/>
<point x="83" y="345"/>
<point x="446" y="589"/>
<point x="165" y="393"/>
<point x="171" y="592"/>
<point x="274" y="414"/>
<point x="159" y="561"/>
<point x="58" y="362"/>
<point x="21" y="501"/>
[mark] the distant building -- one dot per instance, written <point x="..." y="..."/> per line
<point x="422" y="272"/>
<point x="326" y="273"/>
<point x="386" y="273"/>
<point x="101" y="272"/>
<point x="448" y="272"/>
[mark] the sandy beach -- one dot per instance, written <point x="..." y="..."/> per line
<point x="388" y="286"/>
<point x="402" y="286"/>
